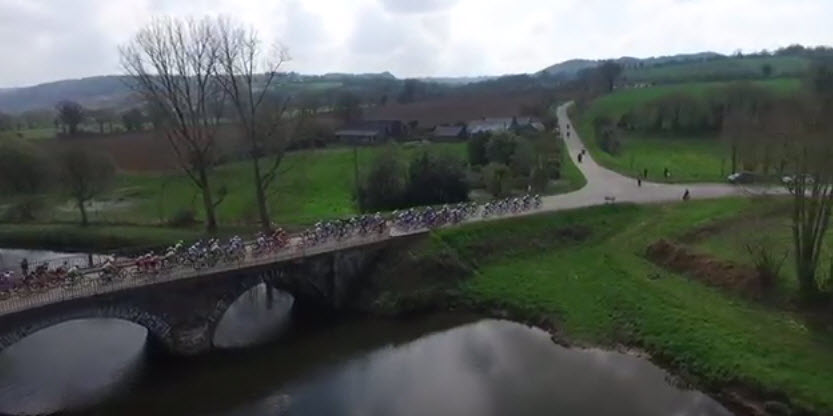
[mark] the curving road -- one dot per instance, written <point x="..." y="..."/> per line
<point x="604" y="184"/>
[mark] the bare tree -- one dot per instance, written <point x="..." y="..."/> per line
<point x="85" y="174"/>
<point x="174" y="65"/>
<point x="248" y="72"/>
<point x="70" y="114"/>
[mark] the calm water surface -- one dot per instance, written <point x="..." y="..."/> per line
<point x="438" y="365"/>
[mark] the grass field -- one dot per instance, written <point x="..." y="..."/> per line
<point x="731" y="68"/>
<point x="31" y="134"/>
<point x="602" y="291"/>
<point x="690" y="159"/>
<point x="314" y="185"/>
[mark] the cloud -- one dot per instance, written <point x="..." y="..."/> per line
<point x="44" y="40"/>
<point x="417" y="6"/>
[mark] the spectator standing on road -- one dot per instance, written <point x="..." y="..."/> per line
<point x="24" y="266"/>
<point x="686" y="195"/>
<point x="579" y="157"/>
<point x="638" y="181"/>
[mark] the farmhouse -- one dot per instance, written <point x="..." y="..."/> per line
<point x="499" y="124"/>
<point x="449" y="133"/>
<point x="371" y="131"/>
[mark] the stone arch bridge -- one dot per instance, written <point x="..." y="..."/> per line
<point x="181" y="311"/>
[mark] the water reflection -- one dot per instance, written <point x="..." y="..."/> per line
<point x="487" y="368"/>
<point x="258" y="315"/>
<point x="69" y="365"/>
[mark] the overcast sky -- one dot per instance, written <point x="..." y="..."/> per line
<point x="46" y="40"/>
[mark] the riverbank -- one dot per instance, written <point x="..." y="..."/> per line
<point x="583" y="275"/>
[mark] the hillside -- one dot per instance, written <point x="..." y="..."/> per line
<point x="569" y="69"/>
<point x="93" y="92"/>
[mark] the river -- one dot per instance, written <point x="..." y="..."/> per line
<point x="270" y="364"/>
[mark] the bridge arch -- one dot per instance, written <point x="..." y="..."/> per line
<point x="158" y="329"/>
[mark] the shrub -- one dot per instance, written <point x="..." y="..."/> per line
<point x="523" y="158"/>
<point x="183" y="217"/>
<point x="26" y="209"/>
<point x="384" y="186"/>
<point x="476" y="147"/>
<point x="436" y="178"/>
<point x="500" y="148"/>
<point x="539" y="179"/>
<point x="498" y="179"/>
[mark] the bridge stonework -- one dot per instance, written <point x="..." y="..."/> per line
<point x="182" y="315"/>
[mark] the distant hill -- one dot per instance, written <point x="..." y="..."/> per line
<point x="113" y="91"/>
<point x="459" y="80"/>
<point x="93" y="92"/>
<point x="569" y="69"/>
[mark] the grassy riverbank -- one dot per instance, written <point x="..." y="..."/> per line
<point x="586" y="270"/>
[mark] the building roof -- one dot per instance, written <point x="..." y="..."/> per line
<point x="496" y="124"/>
<point x="448" y="131"/>
<point x="490" y="125"/>
<point x="357" y="132"/>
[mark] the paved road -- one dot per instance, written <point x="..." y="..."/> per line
<point x="602" y="182"/>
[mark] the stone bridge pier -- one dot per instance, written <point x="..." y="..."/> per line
<point x="181" y="315"/>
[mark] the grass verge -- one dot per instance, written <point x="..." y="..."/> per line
<point x="603" y="291"/>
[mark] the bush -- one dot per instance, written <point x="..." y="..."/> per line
<point x="431" y="178"/>
<point x="498" y="179"/>
<point x="384" y="186"/>
<point x="523" y="158"/>
<point x="539" y="179"/>
<point x="435" y="178"/>
<point x="24" y="169"/>
<point x="183" y="217"/>
<point x="500" y="148"/>
<point x="27" y="209"/>
<point x="476" y="147"/>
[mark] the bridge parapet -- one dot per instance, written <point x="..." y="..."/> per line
<point x="181" y="310"/>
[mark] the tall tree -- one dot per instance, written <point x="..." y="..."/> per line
<point x="248" y="74"/>
<point x="70" y="114"/>
<point x="85" y="174"/>
<point x="174" y="64"/>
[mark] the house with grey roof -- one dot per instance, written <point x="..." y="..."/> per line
<point x="449" y="133"/>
